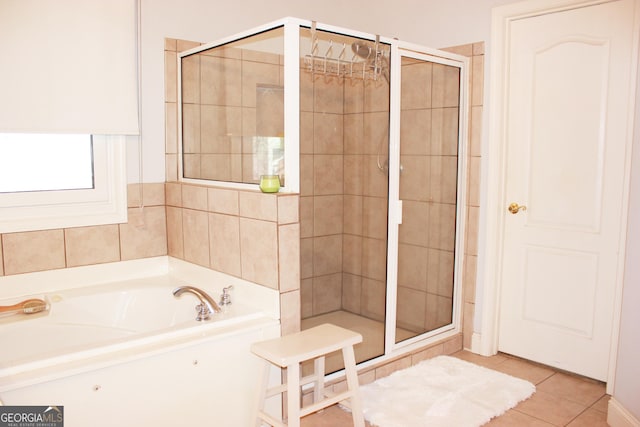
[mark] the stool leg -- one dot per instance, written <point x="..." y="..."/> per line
<point x="262" y="394"/>
<point x="293" y="395"/>
<point x="318" y="371"/>
<point x="352" y="382"/>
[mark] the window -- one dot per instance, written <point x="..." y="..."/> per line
<point x="40" y="162"/>
<point x="58" y="181"/>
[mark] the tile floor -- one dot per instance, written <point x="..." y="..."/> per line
<point x="560" y="399"/>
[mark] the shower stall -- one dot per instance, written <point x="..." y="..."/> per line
<point x="371" y="132"/>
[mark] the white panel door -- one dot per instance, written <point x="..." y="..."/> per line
<point x="570" y="73"/>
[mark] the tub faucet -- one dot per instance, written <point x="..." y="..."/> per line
<point x="207" y="305"/>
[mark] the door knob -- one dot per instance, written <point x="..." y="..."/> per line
<point x="514" y="208"/>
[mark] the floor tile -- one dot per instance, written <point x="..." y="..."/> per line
<point x="527" y="371"/>
<point x="590" y="418"/>
<point x="579" y="390"/>
<point x="486" y="361"/>
<point x="553" y="409"/>
<point x="602" y="404"/>
<point x="514" y="418"/>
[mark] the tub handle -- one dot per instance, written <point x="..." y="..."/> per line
<point x="225" y="298"/>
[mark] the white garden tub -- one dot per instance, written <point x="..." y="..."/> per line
<point x="129" y="353"/>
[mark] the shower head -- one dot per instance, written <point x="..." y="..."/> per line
<point x="362" y="49"/>
<point x="374" y="58"/>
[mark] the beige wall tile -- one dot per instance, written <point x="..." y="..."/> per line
<point x="288" y="209"/>
<point x="171" y="127"/>
<point x="215" y="70"/>
<point x="472" y="231"/>
<point x="224" y="243"/>
<point x="190" y="80"/>
<point x="257" y="205"/>
<point x="353" y="174"/>
<point x="352" y="254"/>
<point x="373" y="299"/>
<point x="353" y="133"/>
<point x="290" y="312"/>
<point x="255" y="74"/>
<point x="327" y="255"/>
<point x="191" y="128"/>
<point x="182" y="45"/>
<point x="453" y="345"/>
<point x="306" y="258"/>
<point x="354" y="97"/>
<point x="353" y="206"/>
<point x="351" y="292"/>
<point x="306" y="216"/>
<point x="223" y="201"/>
<point x="306" y="132"/>
<point x="173" y="194"/>
<point x="175" y="237"/>
<point x="306" y="298"/>
<point x="415" y="219"/>
<point x="415" y="132"/>
<point x="374" y="258"/>
<point x="416" y="85"/>
<point x="477" y="76"/>
<point x="415" y="178"/>
<point x="374" y="217"/>
<point x="476" y="131"/>
<point x="478" y="48"/>
<point x="327" y="215"/>
<point x="33" y="251"/>
<point x="469" y="278"/>
<point x="171" y="77"/>
<point x="289" y="257"/>
<point x="145" y="234"/>
<point x="328" y="174"/>
<point x="473" y="186"/>
<point x="92" y="245"/>
<point x="396" y="365"/>
<point x="376" y="95"/>
<point x="194" y="197"/>
<point x="327" y="133"/>
<point x="171" y="167"/>
<point x="306" y="91"/>
<point x="427" y="353"/>
<point x="259" y="255"/>
<point x="328" y="96"/>
<point x="412" y="266"/>
<point x="327" y="293"/>
<point x="374" y="180"/>
<point x="306" y="175"/>
<point x="1" y="258"/>
<point x="152" y="194"/>
<point x="170" y="44"/>
<point x="411" y="309"/>
<point x="195" y="226"/>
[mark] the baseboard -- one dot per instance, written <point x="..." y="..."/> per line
<point x="618" y="416"/>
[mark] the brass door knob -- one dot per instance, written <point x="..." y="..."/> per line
<point x="514" y="208"/>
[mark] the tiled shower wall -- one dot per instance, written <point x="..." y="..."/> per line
<point x="343" y="197"/>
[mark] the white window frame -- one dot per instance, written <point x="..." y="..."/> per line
<point x="106" y="203"/>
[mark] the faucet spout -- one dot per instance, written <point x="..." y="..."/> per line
<point x="207" y="304"/>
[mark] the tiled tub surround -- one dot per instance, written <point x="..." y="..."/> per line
<point x="143" y="236"/>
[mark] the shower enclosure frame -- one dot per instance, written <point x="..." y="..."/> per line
<point x="398" y="49"/>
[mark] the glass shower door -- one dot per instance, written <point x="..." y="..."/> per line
<point x="428" y="190"/>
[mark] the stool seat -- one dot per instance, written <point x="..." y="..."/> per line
<point x="305" y="345"/>
<point x="289" y="352"/>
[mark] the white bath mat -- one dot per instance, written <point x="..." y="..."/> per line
<point x="442" y="392"/>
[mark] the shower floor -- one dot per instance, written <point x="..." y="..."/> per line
<point x="372" y="332"/>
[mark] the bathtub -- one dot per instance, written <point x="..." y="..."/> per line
<point x="129" y="353"/>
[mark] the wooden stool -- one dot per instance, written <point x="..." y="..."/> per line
<point x="289" y="352"/>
